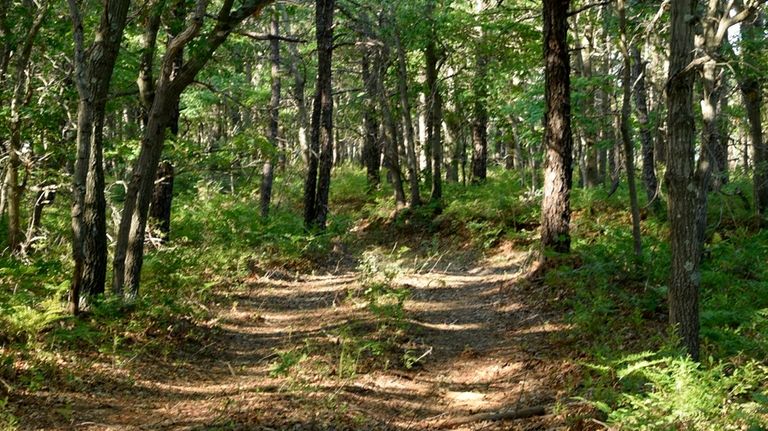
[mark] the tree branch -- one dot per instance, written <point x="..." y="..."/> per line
<point x="589" y="6"/>
<point x="263" y="37"/>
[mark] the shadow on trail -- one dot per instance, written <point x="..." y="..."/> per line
<point x="482" y="344"/>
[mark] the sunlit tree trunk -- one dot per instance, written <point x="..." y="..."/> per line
<point x="649" y="165"/>
<point x="410" y="135"/>
<point x="555" y="209"/>
<point x="371" y="148"/>
<point x="434" y="107"/>
<point x="274" y="117"/>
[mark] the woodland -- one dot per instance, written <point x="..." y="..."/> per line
<point x="383" y="215"/>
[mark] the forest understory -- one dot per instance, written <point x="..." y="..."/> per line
<point x="383" y="214"/>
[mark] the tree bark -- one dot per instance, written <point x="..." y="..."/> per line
<point x="629" y="154"/>
<point x="434" y="107"/>
<point x="274" y="118"/>
<point x="18" y="100"/>
<point x="389" y="135"/>
<point x="371" y="148"/>
<point x="299" y="85"/>
<point x="92" y="77"/>
<point x="479" y="111"/>
<point x="317" y="186"/>
<point x="162" y="192"/>
<point x="555" y="210"/>
<point x="646" y="140"/>
<point x="687" y="197"/>
<point x="410" y="135"/>
<point x="162" y="200"/>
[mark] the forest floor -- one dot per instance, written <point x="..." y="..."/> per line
<point x="298" y="351"/>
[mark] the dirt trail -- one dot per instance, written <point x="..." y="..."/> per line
<point x="483" y="343"/>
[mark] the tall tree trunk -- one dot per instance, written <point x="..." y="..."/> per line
<point x="391" y="154"/>
<point x="410" y="135"/>
<point x="274" y="117"/>
<point x="162" y="192"/>
<point x="92" y="77"/>
<point x="588" y="142"/>
<point x="720" y="154"/>
<point x="556" y="209"/>
<point x="629" y="154"/>
<point x="479" y="111"/>
<point x="18" y="100"/>
<point x="434" y="107"/>
<point x="299" y="84"/>
<point x="646" y="140"/>
<point x="684" y="181"/>
<point x="317" y="186"/>
<point x="371" y="147"/>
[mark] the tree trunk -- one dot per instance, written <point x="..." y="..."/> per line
<point x="434" y="107"/>
<point x="162" y="192"/>
<point x="646" y="140"/>
<point x="92" y="76"/>
<point x="391" y="154"/>
<point x="18" y="100"/>
<point x="274" y="118"/>
<point x="129" y="252"/>
<point x="588" y="143"/>
<point x="410" y="135"/>
<point x="162" y="200"/>
<point x="555" y="209"/>
<point x="317" y="186"/>
<point x="371" y="147"/>
<point x="687" y="197"/>
<point x="45" y="196"/>
<point x="299" y="84"/>
<point x="629" y="154"/>
<point x="479" y="111"/>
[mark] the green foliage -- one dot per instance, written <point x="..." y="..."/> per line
<point x="286" y="361"/>
<point x="678" y="393"/>
<point x="616" y="304"/>
<point x="8" y="422"/>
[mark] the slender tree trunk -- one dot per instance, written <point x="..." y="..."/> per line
<point x="18" y="100"/>
<point x="410" y="135"/>
<point x="317" y="189"/>
<point x="588" y="142"/>
<point x="646" y="140"/>
<point x="299" y="84"/>
<point x="274" y="118"/>
<point x="479" y="111"/>
<point x="629" y="154"/>
<point x="371" y="147"/>
<point x="684" y="181"/>
<point x="162" y="192"/>
<point x="391" y="154"/>
<point x="434" y="107"/>
<point x="720" y="155"/>
<point x="555" y="209"/>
